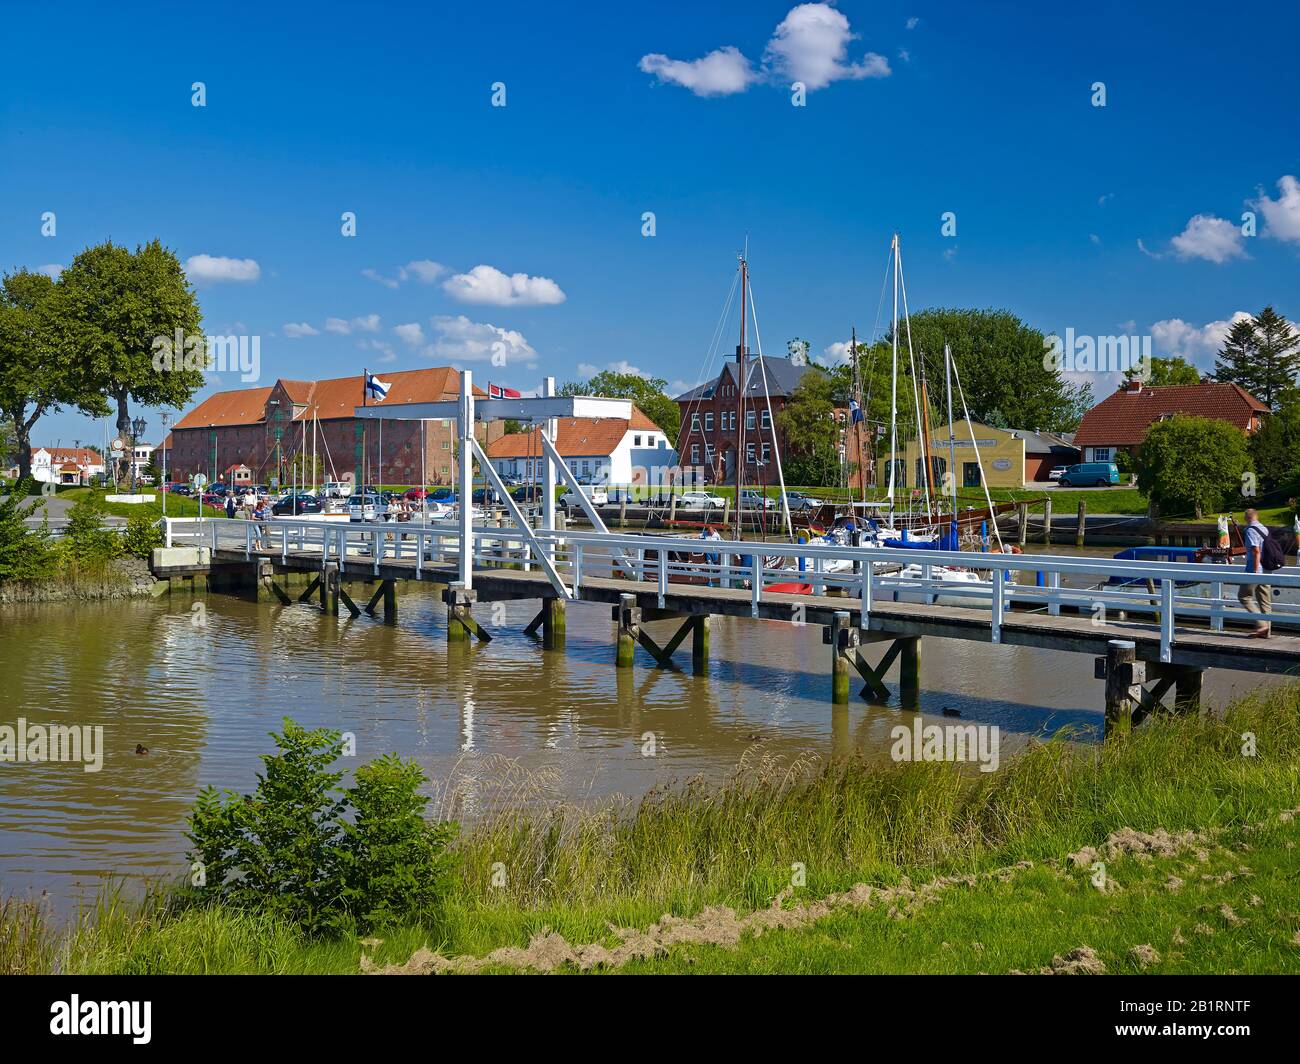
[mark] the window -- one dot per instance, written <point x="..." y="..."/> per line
<point x="695" y="422"/>
<point x="767" y="452"/>
<point x="695" y="454"/>
<point x="749" y="453"/>
<point x="1101" y="454"/>
<point x="767" y="419"/>
<point x="749" y="421"/>
<point x="708" y="422"/>
<point x="970" y="474"/>
<point x="636" y="441"/>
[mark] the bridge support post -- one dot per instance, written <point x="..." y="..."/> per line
<point x="387" y="591"/>
<point x="844" y="644"/>
<point x="1124" y="678"/>
<point x="1188" y="691"/>
<point x="700" y="644"/>
<point x="329" y="589"/>
<point x="460" y="621"/>
<point x="909" y="671"/>
<point x="629" y="628"/>
<point x="553" y="620"/>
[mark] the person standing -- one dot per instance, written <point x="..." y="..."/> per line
<point x="1257" y="598"/>
<point x="230" y="504"/>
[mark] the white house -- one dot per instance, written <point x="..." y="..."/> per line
<point x="597" y="450"/>
<point x="64" y="465"/>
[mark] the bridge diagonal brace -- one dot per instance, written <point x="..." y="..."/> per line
<point x="1152" y="700"/>
<point x="874" y="676"/>
<point x="346" y="599"/>
<point x="310" y="591"/>
<point x="281" y="595"/>
<point x="663" y="657"/>
<point x="536" y="622"/>
<point x="521" y="525"/>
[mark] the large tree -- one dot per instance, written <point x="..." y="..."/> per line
<point x="1006" y="378"/>
<point x="812" y="437"/>
<point x="1262" y="354"/>
<point x="38" y="373"/>
<point x="1275" y="448"/>
<point x="1192" y="463"/>
<point x="647" y="392"/>
<point x="117" y="306"/>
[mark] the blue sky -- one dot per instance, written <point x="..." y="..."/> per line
<point x="532" y="212"/>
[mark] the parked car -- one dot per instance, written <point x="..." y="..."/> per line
<point x="1057" y="472"/>
<point x="701" y="500"/>
<point x="597" y="496"/>
<point x="416" y="494"/>
<point x="1090" y="474"/>
<point x="292" y="505"/>
<point x="756" y="500"/>
<point x="179" y="489"/>
<point x="797" y="500"/>
<point x="527" y="493"/>
<point x="367" y="506"/>
<point x="335" y="489"/>
<point x="446" y="496"/>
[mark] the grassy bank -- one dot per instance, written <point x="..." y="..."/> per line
<point x="994" y="848"/>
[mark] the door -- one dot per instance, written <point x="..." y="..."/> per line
<point x="970" y="474"/>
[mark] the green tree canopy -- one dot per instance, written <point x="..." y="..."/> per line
<point x="1275" y="448"/>
<point x="1004" y="373"/>
<point x="647" y="392"/>
<point x="811" y="455"/>
<point x="1262" y="354"/>
<point x="1192" y="463"/>
<point x="112" y="305"/>
<point x="38" y="373"/>
<point x="1171" y="370"/>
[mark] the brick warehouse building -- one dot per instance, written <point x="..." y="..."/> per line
<point x="709" y="433"/>
<point x="272" y="431"/>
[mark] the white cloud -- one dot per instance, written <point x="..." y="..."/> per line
<point x="1102" y="200"/>
<point x="1094" y="238"/>
<point x="426" y="271"/>
<point x="722" y="72"/>
<point x="53" y="269"/>
<point x="586" y="369"/>
<point x="1197" y="343"/>
<point x="811" y="45"/>
<point x="295" y="330"/>
<point x="1211" y="238"/>
<point x="411" y="335"/>
<point x="904" y="55"/>
<point x="836" y="354"/>
<point x="344" y="327"/>
<point x="213" y="269"/>
<point x="488" y="285"/>
<point x="375" y="275"/>
<point x="460" y="340"/>
<point x="1282" y="215"/>
<point x="913" y="22"/>
<point x="385" y="349"/>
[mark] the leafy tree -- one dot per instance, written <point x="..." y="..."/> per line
<point x="1262" y="354"/>
<point x="1002" y="367"/>
<point x="647" y="392"/>
<point x="38" y="374"/>
<point x="113" y="305"/>
<point x="24" y="552"/>
<point x="807" y="423"/>
<point x="1164" y="371"/>
<point x="1192" y="463"/>
<point x="1275" y="448"/>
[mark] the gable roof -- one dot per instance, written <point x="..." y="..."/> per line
<point x="1124" y="417"/>
<point x="783" y="376"/>
<point x="75" y="455"/>
<point x="575" y="437"/>
<point x="326" y="399"/>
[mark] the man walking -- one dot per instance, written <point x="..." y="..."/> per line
<point x="1257" y="598"/>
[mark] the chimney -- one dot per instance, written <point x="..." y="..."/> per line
<point x="1133" y="387"/>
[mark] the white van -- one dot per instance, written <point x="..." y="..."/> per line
<point x="335" y="489"/>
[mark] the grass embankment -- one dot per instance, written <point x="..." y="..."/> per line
<point x="1225" y="899"/>
<point x="177" y="505"/>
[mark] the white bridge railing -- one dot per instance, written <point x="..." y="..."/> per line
<point x="1164" y="592"/>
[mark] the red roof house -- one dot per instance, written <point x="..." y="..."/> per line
<point x="1120" y="422"/>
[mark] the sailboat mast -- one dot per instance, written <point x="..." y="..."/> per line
<point x="893" y="390"/>
<point x="952" y="441"/>
<point x="740" y="397"/>
<point x="927" y="461"/>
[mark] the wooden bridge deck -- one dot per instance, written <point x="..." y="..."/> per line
<point x="1197" y="648"/>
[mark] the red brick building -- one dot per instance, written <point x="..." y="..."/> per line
<point x="1120" y="422"/>
<point x="710" y="430"/>
<point x="276" y="431"/>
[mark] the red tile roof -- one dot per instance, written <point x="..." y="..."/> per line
<point x="1123" y="418"/>
<point x="77" y="455"/>
<point x="575" y="436"/>
<point x="327" y="399"/>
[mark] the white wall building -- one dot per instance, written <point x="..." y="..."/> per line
<point x="63" y="465"/>
<point x="605" y="451"/>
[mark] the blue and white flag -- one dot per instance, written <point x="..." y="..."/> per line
<point x="855" y="411"/>
<point x="375" y="388"/>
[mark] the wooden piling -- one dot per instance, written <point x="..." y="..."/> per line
<point x="553" y="618"/>
<point x="1024" y="521"/>
<point x="1124" y="676"/>
<point x="1047" y="520"/>
<point x="329" y="589"/>
<point x="629" y="625"/>
<point x="839" y="659"/>
<point x="1083" y="523"/>
<point x="1188" y="691"/>
<point x="909" y="671"/>
<point x="700" y="644"/>
<point x="389" y="588"/>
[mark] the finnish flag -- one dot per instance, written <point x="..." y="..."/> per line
<point x="375" y="388"/>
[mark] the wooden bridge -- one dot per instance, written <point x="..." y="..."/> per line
<point x="1151" y="626"/>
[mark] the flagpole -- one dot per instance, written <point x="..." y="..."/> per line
<point x="365" y="393"/>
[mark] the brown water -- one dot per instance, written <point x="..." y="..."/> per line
<point x="202" y="699"/>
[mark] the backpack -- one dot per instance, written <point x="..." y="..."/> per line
<point x="1271" y="557"/>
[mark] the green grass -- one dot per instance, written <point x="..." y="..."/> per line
<point x="685" y="848"/>
<point x="177" y="505"/>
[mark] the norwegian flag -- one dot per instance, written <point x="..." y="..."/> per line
<point x="495" y="391"/>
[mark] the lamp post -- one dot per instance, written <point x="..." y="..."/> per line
<point x="166" y="421"/>
<point x="137" y="430"/>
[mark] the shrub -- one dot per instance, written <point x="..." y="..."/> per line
<point x="86" y="537"/>
<point x="24" y="553"/>
<point x="326" y="859"/>
<point x="142" y="535"/>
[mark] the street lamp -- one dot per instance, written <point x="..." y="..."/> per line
<point x="166" y="421"/>
<point x="137" y="430"/>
